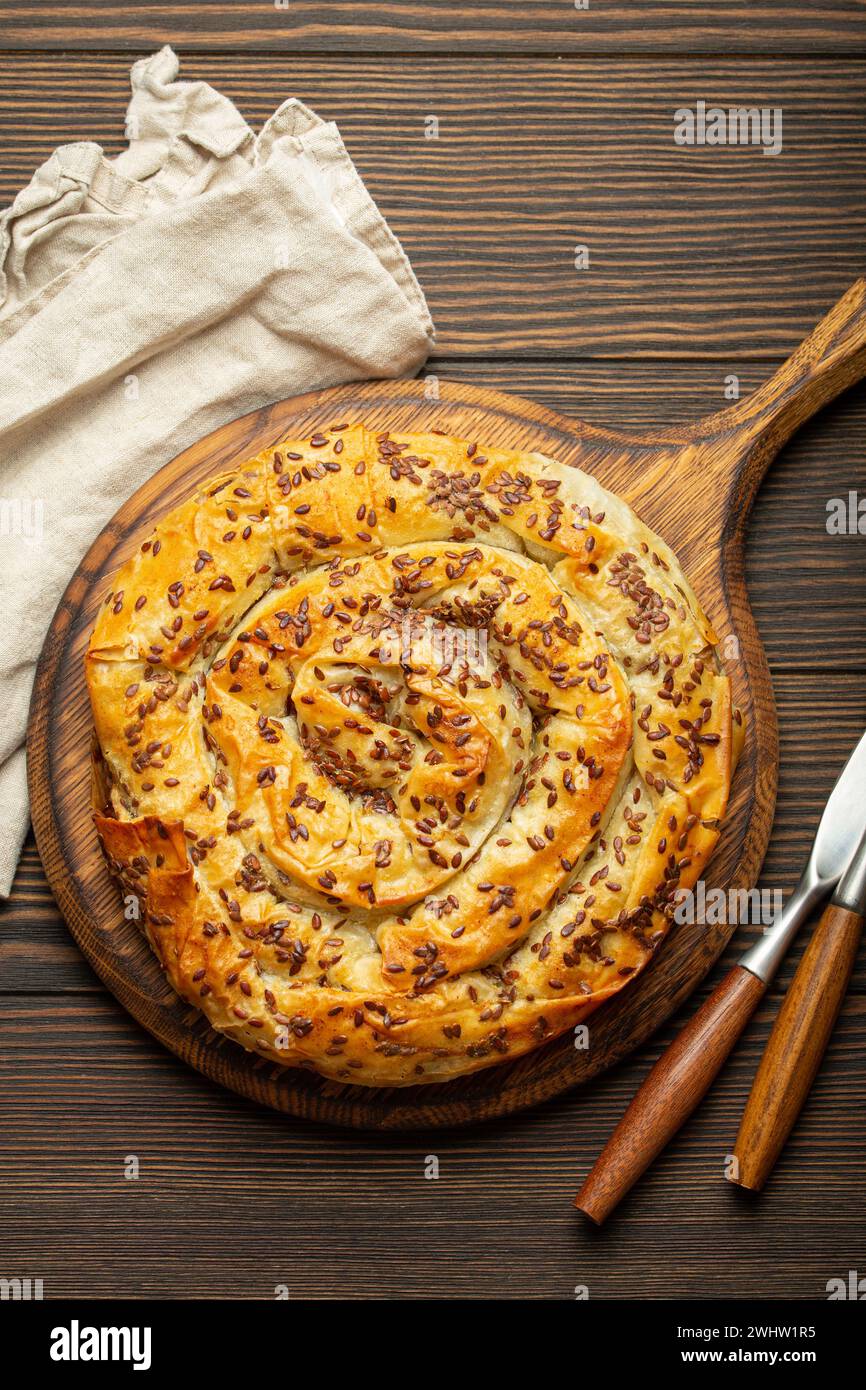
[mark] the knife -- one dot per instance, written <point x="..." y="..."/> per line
<point x="685" y="1071"/>
<point x="802" y="1030"/>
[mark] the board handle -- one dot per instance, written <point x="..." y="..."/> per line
<point x="831" y="359"/>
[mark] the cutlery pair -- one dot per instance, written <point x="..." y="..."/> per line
<point x="683" y="1074"/>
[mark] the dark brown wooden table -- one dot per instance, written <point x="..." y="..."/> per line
<point x="555" y="129"/>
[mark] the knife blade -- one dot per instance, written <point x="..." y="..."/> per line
<point x="835" y="843"/>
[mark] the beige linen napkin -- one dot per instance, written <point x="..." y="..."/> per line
<point x="148" y="299"/>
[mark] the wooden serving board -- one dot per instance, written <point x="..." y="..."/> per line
<point x="693" y="485"/>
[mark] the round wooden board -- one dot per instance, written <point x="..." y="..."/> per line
<point x="701" y="516"/>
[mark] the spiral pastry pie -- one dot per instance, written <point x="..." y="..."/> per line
<point x="407" y="744"/>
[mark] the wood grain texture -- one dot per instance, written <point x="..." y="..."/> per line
<point x="693" y="484"/>
<point x="482" y="27"/>
<point x="797" y="1044"/>
<point x="232" y="1199"/>
<point x="704" y="252"/>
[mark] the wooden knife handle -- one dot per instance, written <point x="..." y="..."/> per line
<point x="797" y="1044"/>
<point x="677" y="1083"/>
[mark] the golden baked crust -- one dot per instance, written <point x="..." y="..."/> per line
<point x="408" y="745"/>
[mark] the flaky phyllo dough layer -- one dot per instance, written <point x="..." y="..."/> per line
<point x="407" y="745"/>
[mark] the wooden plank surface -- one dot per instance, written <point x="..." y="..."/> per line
<point x="702" y="262"/>
<point x="481" y="27"/>
<point x="232" y="1200"/>
<point x="693" y="252"/>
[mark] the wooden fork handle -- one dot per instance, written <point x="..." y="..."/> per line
<point x="797" y="1044"/>
<point x="675" y="1086"/>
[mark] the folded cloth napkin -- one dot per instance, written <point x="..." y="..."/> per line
<point x="148" y="299"/>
